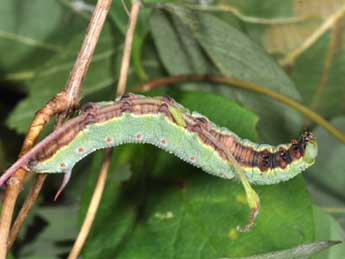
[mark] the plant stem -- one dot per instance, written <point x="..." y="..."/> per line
<point x="62" y="102"/>
<point x="98" y="192"/>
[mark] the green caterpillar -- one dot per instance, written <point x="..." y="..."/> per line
<point x="168" y="125"/>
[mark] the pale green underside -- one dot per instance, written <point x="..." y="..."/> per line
<point x="159" y="131"/>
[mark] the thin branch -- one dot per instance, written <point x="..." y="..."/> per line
<point x="233" y="82"/>
<point x="121" y="86"/>
<point x="326" y="25"/>
<point x="84" y="57"/>
<point x="62" y="102"/>
<point x="27" y="205"/>
<point x="98" y="192"/>
<point x="15" y="183"/>
<point x="248" y="19"/>
<point x="333" y="210"/>
<point x="16" y="38"/>
<point x="93" y="206"/>
<point x="332" y="45"/>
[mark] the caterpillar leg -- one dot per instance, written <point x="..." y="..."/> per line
<point x="66" y="177"/>
<point x="252" y="197"/>
<point x="253" y="202"/>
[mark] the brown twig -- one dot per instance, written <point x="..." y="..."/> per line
<point x="15" y="183"/>
<point x="62" y="102"/>
<point x="93" y="206"/>
<point x="84" y="57"/>
<point x="250" y="87"/>
<point x="27" y="205"/>
<point x="121" y="88"/>
<point x="333" y="44"/>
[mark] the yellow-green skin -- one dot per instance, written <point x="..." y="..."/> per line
<point x="158" y="130"/>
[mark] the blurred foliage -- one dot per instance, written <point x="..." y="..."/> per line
<point x="154" y="205"/>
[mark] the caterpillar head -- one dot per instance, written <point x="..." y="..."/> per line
<point x="310" y="147"/>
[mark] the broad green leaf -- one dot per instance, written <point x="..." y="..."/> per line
<point x="318" y="71"/>
<point x="51" y="78"/>
<point x="231" y="53"/>
<point x="322" y="83"/>
<point x="179" y="52"/>
<point x="61" y="225"/>
<point x="327" y="228"/>
<point x="31" y="32"/>
<point x="170" y="209"/>
<point x="329" y="170"/>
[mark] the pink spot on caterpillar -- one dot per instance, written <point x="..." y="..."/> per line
<point x="193" y="158"/>
<point x="109" y="140"/>
<point x="139" y="136"/>
<point x="62" y="165"/>
<point x="164" y="142"/>
<point x="80" y="150"/>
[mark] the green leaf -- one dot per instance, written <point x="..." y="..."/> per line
<point x="318" y="71"/>
<point x="329" y="170"/>
<point x="327" y="228"/>
<point x="32" y="32"/>
<point x="321" y="84"/>
<point x="304" y="251"/>
<point x="231" y="53"/>
<point x="57" y="228"/>
<point x="51" y="78"/>
<point x="171" y="209"/>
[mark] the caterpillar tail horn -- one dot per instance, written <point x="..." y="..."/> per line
<point x="65" y="181"/>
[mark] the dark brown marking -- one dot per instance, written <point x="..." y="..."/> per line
<point x="294" y="151"/>
<point x="127" y="96"/>
<point x="285" y="154"/>
<point x="32" y="163"/>
<point x="265" y="161"/>
<point x="202" y="121"/>
<point x="90" y="118"/>
<point x="164" y="108"/>
<point x="278" y="159"/>
<point x="168" y="100"/>
<point x="254" y="162"/>
<point x="126" y="107"/>
<point x="88" y="107"/>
